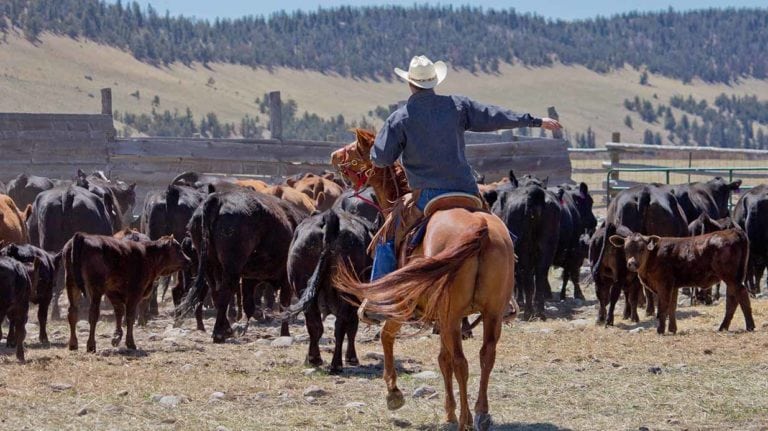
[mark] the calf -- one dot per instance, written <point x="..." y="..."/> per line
<point x="96" y="265"/>
<point x="15" y="289"/>
<point x="41" y="268"/>
<point x="700" y="226"/>
<point x="666" y="264"/>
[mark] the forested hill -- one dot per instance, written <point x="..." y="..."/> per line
<point x="714" y="45"/>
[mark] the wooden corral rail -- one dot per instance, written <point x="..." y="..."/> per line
<point x="56" y="145"/>
<point x="152" y="161"/>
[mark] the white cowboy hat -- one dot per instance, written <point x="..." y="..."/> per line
<point x="423" y="73"/>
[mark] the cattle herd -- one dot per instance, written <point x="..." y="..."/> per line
<point x="241" y="246"/>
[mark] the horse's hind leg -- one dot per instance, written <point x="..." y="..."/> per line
<point x="491" y="335"/>
<point x="445" y="359"/>
<point x="395" y="398"/>
<point x="450" y="335"/>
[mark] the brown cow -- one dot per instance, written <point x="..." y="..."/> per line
<point x="123" y="270"/>
<point x="322" y="191"/>
<point x="13" y="226"/>
<point x="293" y="196"/>
<point x="255" y="185"/>
<point x="666" y="264"/>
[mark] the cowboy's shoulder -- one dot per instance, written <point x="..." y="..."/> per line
<point x="460" y="100"/>
<point x="397" y="116"/>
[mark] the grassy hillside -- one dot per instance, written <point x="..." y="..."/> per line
<point x="60" y="74"/>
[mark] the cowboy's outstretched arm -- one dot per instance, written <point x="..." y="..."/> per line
<point x="388" y="145"/>
<point x="488" y="118"/>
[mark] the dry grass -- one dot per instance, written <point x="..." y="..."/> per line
<point x="565" y="373"/>
<point x="51" y="77"/>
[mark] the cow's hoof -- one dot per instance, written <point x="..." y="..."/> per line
<point x="130" y="346"/>
<point x="335" y="370"/>
<point x="219" y="338"/>
<point x="395" y="400"/>
<point x="73" y="347"/>
<point x="116" y="340"/>
<point x="91" y="348"/>
<point x="482" y="422"/>
<point x="353" y="361"/>
<point x="580" y="296"/>
<point x="314" y="362"/>
<point x="466" y="335"/>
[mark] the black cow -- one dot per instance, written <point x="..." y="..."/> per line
<point x="42" y="272"/>
<point x="650" y="209"/>
<point x="359" y="204"/>
<point x="123" y="194"/>
<point x="24" y="188"/>
<point x="320" y="241"/>
<point x="751" y="214"/>
<point x="611" y="277"/>
<point x="15" y="290"/>
<point x="243" y="234"/>
<point x="168" y="213"/>
<point x="532" y="215"/>
<point x="710" y="197"/>
<point x="58" y="214"/>
<point x="576" y="219"/>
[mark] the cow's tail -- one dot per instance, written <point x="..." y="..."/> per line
<point x="76" y="261"/>
<point x="748" y="232"/>
<point x="535" y="201"/>
<point x="643" y="204"/>
<point x="330" y="231"/>
<point x="610" y="229"/>
<point x="195" y="295"/>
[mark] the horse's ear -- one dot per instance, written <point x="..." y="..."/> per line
<point x="364" y="137"/>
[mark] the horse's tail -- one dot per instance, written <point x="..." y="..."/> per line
<point x="397" y="294"/>
<point x="196" y="293"/>
<point x="330" y="232"/>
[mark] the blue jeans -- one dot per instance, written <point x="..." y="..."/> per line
<point x="384" y="258"/>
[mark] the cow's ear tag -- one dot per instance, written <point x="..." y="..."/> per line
<point x="651" y="246"/>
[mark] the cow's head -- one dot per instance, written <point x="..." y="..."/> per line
<point x="173" y="256"/>
<point x="636" y="248"/>
<point x="721" y="192"/>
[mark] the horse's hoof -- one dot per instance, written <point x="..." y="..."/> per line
<point x="482" y="422"/>
<point x="395" y="400"/>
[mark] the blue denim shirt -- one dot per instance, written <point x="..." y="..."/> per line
<point x="427" y="134"/>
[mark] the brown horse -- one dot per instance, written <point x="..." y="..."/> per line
<point x="465" y="265"/>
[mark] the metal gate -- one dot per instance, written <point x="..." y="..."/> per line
<point x="611" y="188"/>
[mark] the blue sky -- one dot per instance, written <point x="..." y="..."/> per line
<point x="566" y="9"/>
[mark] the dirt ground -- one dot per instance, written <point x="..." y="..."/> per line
<point x="565" y="373"/>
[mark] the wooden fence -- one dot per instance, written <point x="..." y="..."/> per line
<point x="56" y="145"/>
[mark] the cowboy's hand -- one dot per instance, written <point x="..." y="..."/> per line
<point x="550" y="124"/>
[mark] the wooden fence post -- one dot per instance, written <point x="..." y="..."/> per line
<point x="552" y="113"/>
<point x="106" y="101"/>
<point x="275" y="115"/>
<point x="615" y="138"/>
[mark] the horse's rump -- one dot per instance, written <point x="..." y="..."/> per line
<point x="422" y="281"/>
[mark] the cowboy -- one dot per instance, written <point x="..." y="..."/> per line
<point x="427" y="135"/>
